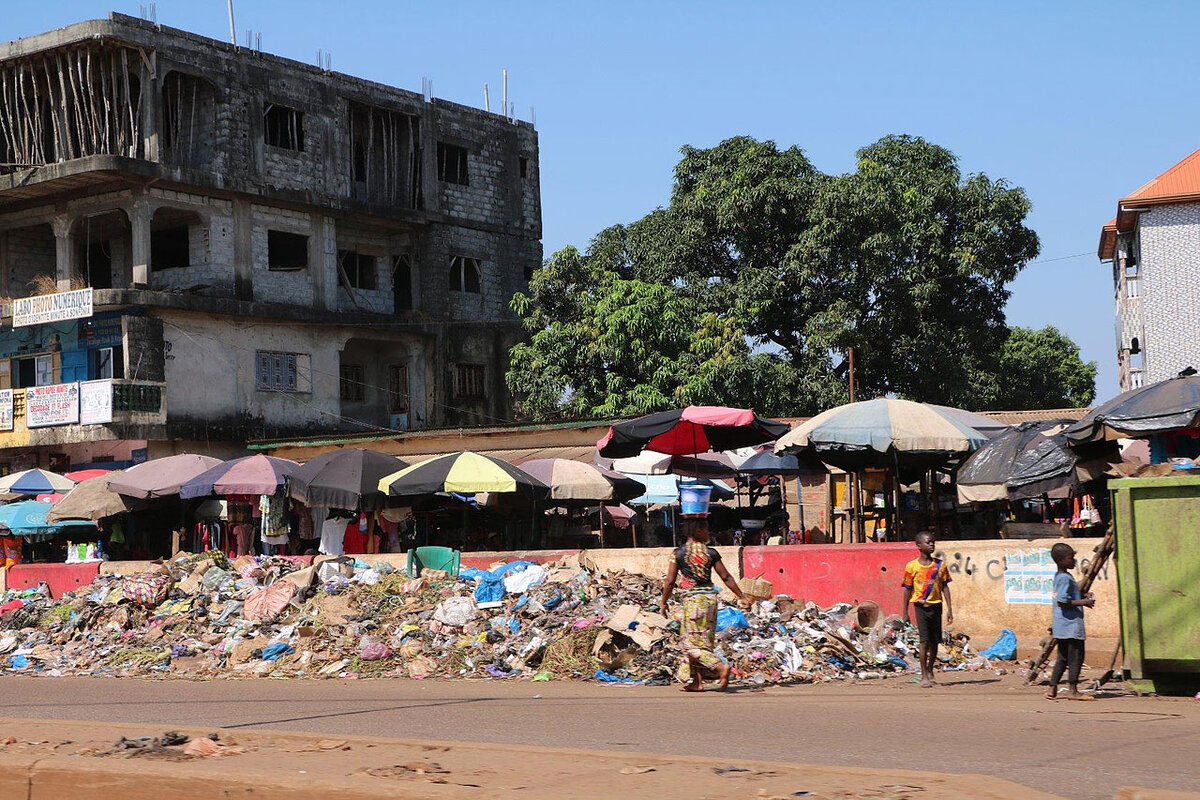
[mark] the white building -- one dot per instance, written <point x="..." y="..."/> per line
<point x="1154" y="246"/>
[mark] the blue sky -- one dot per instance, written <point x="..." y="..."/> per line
<point x="1077" y="102"/>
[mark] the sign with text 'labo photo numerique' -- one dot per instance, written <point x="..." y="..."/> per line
<point x="75" y="304"/>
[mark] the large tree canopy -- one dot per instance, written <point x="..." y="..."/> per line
<point x="1038" y="369"/>
<point x="752" y="284"/>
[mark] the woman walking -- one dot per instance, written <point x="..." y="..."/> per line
<point x="692" y="567"/>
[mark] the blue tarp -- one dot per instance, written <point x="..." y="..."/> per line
<point x="665" y="489"/>
<point x="28" y="518"/>
<point x="490" y="588"/>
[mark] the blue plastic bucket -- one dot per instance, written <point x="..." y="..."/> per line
<point x="693" y="498"/>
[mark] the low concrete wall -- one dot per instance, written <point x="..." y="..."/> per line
<point x="61" y="578"/>
<point x="824" y="574"/>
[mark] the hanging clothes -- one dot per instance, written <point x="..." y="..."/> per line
<point x="275" y="524"/>
<point x="333" y="532"/>
<point x="355" y="540"/>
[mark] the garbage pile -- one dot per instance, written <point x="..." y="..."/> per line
<point x="204" y="616"/>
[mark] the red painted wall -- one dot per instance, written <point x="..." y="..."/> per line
<point x="61" y="578"/>
<point x="487" y="559"/>
<point x="834" y="573"/>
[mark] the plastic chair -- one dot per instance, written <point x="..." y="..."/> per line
<point x="443" y="558"/>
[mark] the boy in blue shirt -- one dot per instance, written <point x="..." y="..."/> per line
<point x="1067" y="624"/>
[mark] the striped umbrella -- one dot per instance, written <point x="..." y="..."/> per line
<point x="35" y="481"/>
<point x="462" y="473"/>
<point x="882" y="432"/>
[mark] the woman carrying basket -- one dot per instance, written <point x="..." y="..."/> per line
<point x="692" y="566"/>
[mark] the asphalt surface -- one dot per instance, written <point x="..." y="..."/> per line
<point x="973" y="723"/>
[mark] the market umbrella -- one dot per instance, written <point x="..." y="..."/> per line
<point x="988" y="426"/>
<point x="885" y="432"/>
<point x="28" y="518"/>
<point x="1055" y="468"/>
<point x="343" y="478"/>
<point x="769" y="463"/>
<point x="575" y="481"/>
<point x="81" y="475"/>
<point x="35" y="481"/>
<point x="251" y="475"/>
<point x="984" y="475"/>
<point x="161" y="477"/>
<point x="691" y="430"/>
<point x="462" y="473"/>
<point x="1158" y="408"/>
<point x="93" y="499"/>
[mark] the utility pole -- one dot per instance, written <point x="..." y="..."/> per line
<point x="854" y="479"/>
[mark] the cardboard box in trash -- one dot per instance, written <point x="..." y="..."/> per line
<point x="757" y="588"/>
<point x="643" y="627"/>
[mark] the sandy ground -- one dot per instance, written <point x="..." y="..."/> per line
<point x="977" y="723"/>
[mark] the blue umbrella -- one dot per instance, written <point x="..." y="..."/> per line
<point x="34" y="482"/>
<point x="28" y="518"/>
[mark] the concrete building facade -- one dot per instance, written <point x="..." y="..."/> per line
<point x="1153" y="245"/>
<point x="273" y="249"/>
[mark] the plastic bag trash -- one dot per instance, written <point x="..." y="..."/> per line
<point x="608" y="677"/>
<point x="274" y="652"/>
<point x="521" y="582"/>
<point x="383" y="568"/>
<point x="731" y="618"/>
<point x="372" y="650"/>
<point x="267" y="603"/>
<point x="455" y="611"/>
<point x="18" y="662"/>
<point x="546" y="675"/>
<point x="1005" y="647"/>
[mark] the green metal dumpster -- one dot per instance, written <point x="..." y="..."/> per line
<point x="1158" y="578"/>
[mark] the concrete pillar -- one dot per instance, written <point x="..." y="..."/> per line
<point x="317" y="266"/>
<point x="140" y="214"/>
<point x="431" y="188"/>
<point x="151" y="109"/>
<point x="64" y="250"/>
<point x="243" y="250"/>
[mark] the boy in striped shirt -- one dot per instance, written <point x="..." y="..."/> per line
<point x="927" y="587"/>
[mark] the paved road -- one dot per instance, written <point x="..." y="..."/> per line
<point x="975" y="724"/>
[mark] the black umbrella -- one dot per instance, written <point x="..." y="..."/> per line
<point x="768" y="463"/>
<point x="343" y="479"/>
<point x="462" y="473"/>
<point x="688" y="431"/>
<point x="982" y="477"/>
<point x="1158" y="408"/>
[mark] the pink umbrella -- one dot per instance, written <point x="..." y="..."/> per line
<point x="79" y="476"/>
<point x="161" y="477"/>
<point x="251" y="475"/>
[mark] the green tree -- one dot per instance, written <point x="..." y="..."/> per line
<point x="768" y="271"/>
<point x="601" y="345"/>
<point x="1037" y="369"/>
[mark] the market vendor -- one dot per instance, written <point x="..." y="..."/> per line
<point x="692" y="567"/>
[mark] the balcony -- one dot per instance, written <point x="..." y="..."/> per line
<point x="89" y="411"/>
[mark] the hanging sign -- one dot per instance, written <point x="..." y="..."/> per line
<point x="6" y="409"/>
<point x="95" y="402"/>
<point x="75" y="304"/>
<point x="52" y="405"/>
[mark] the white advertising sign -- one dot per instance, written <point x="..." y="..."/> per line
<point x="6" y="409"/>
<point x="75" y="304"/>
<point x="52" y="405"/>
<point x="95" y="402"/>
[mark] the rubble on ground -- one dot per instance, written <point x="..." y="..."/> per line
<point x="201" y="616"/>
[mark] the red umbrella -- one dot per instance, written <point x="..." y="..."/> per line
<point x="81" y="475"/>
<point x="691" y="430"/>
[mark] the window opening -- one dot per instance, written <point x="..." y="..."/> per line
<point x="283" y="127"/>
<point x="397" y="388"/>
<point x="402" y="282"/>
<point x="353" y="383"/>
<point x="107" y="363"/>
<point x="98" y="264"/>
<point x="464" y="274"/>
<point x="169" y="248"/>
<point x="359" y="269"/>
<point x="281" y="372"/>
<point x="469" y="382"/>
<point x="286" y="251"/>
<point x="523" y="165"/>
<point x="452" y="164"/>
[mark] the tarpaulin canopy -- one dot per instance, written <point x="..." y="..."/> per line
<point x="574" y="481"/>
<point x="93" y="500"/>
<point x="34" y="482"/>
<point x="664" y="489"/>
<point x="1161" y="407"/>
<point x="982" y="477"/>
<point x="883" y="432"/>
<point x="161" y="477"/>
<point x="252" y="475"/>
<point x="691" y="430"/>
<point x="343" y="479"/>
<point x="462" y="473"/>
<point x="768" y="463"/>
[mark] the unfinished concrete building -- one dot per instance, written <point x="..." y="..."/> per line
<point x="274" y="249"/>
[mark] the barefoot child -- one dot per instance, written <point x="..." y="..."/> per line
<point x="693" y="566"/>
<point x="1067" y="624"/>
<point x="926" y="587"/>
